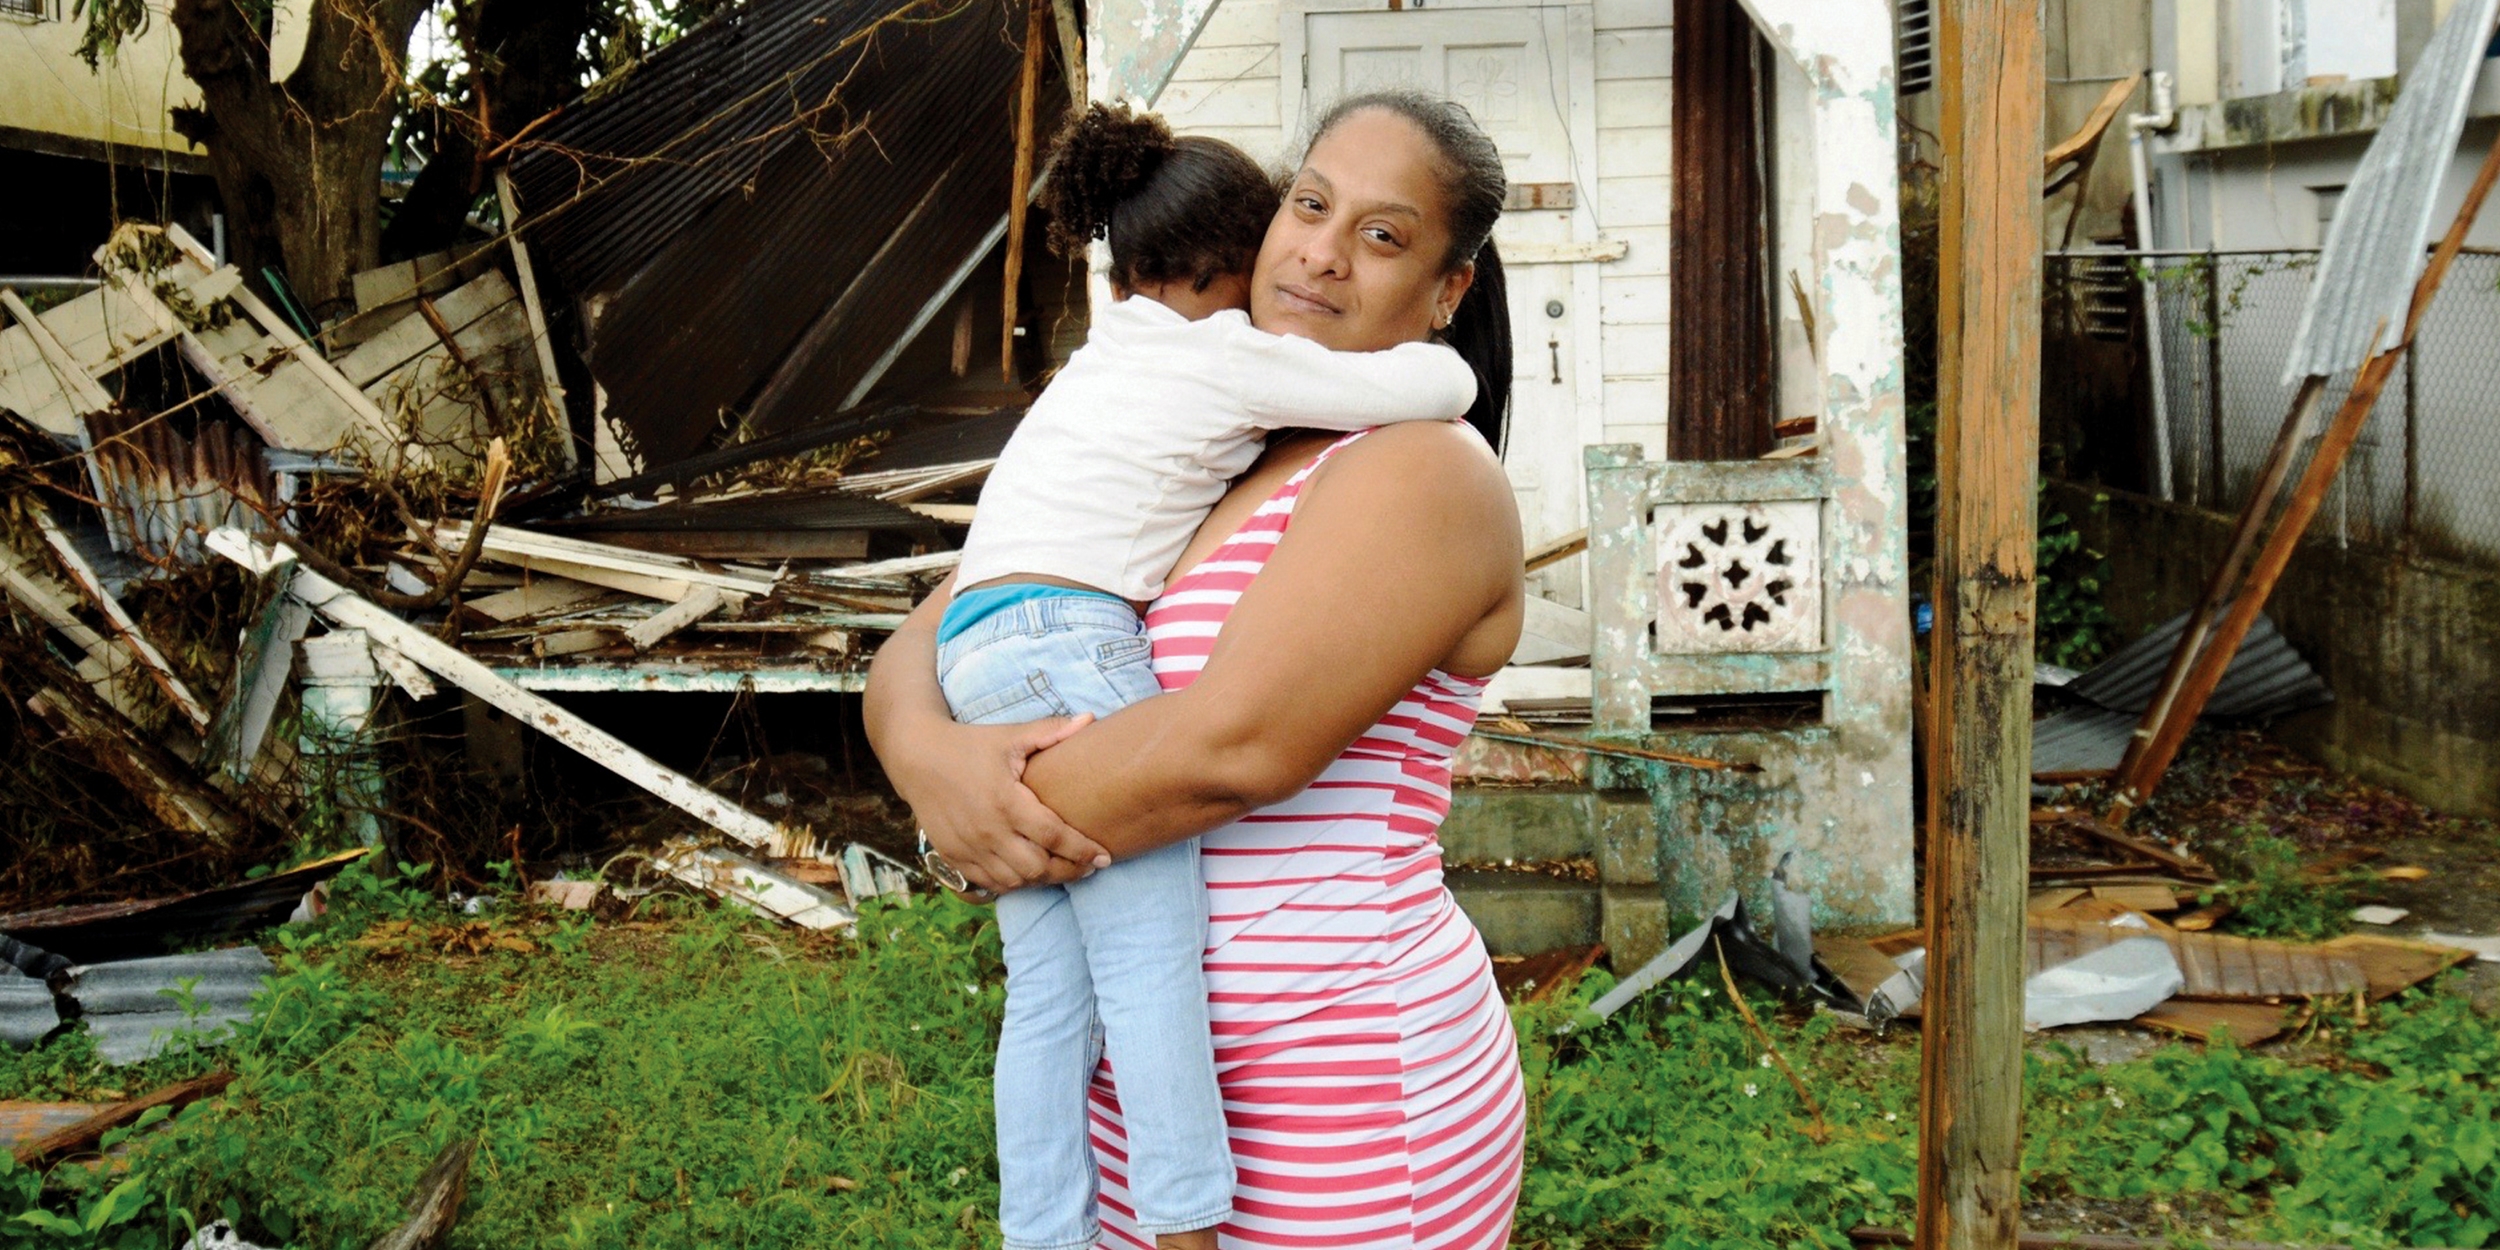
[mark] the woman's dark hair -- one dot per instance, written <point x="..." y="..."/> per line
<point x="1473" y="188"/>
<point x="1174" y="209"/>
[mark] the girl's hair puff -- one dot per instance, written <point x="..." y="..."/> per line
<point x="1174" y="208"/>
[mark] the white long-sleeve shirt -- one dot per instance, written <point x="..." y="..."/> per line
<point x="1139" y="434"/>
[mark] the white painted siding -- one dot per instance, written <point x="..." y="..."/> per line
<point x="1231" y="84"/>
<point x="1634" y="160"/>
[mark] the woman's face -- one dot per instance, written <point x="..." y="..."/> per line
<point x="1353" y="258"/>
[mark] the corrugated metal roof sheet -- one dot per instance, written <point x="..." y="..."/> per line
<point x="756" y="215"/>
<point x="2375" y="245"/>
<point x="2266" y="677"/>
<point x="26" y="1010"/>
<point x="128" y="1011"/>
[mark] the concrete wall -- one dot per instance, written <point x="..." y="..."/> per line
<point x="2410" y="646"/>
<point x="47" y="93"/>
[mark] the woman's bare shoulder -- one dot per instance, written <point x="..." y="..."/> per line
<point x="1446" y="455"/>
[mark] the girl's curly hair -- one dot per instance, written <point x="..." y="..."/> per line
<point x="1174" y="208"/>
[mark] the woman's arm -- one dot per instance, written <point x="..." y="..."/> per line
<point x="983" y="819"/>
<point x="1404" y="555"/>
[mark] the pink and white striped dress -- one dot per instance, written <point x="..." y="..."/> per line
<point x="1370" y="1075"/>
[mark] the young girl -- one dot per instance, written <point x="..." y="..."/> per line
<point x="1105" y="480"/>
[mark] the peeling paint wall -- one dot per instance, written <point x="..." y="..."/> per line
<point x="1839" y="791"/>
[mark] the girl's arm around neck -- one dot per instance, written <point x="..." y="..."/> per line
<point x="1284" y="382"/>
<point x="1403" y="556"/>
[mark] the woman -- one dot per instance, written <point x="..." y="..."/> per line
<point x="1322" y="646"/>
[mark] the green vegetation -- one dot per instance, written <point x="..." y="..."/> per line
<point x="2273" y="896"/>
<point x="690" y="1077"/>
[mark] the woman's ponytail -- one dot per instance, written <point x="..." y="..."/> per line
<point x="1479" y="331"/>
<point x="1102" y="157"/>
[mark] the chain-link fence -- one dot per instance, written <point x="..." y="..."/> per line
<point x="2425" y="474"/>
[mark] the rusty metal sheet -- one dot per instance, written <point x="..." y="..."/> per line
<point x="2375" y="245"/>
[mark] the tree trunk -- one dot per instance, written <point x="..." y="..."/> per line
<point x="525" y="58"/>
<point x="298" y="162"/>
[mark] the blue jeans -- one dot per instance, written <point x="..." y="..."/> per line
<point x="1122" y="947"/>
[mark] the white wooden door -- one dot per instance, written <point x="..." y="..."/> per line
<point x="1509" y="67"/>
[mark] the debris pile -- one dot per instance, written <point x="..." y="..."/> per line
<point x="403" y="486"/>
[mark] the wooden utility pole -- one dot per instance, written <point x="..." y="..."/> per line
<point x="1979" y="770"/>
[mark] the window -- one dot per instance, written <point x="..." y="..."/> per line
<point x="1917" y="37"/>
<point x="34" y="10"/>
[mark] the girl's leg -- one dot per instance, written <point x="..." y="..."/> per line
<point x="1145" y="927"/>
<point x="1046" y="1169"/>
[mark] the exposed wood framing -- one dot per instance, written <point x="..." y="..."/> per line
<point x="1971" y="1063"/>
<point x="152" y="774"/>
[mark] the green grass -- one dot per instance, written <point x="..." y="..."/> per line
<point x="694" y="1078"/>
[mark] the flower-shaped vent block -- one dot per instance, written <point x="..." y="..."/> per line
<point x="1739" y="577"/>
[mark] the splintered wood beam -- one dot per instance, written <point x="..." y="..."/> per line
<point x="1020" y="191"/>
<point x="1979" y="775"/>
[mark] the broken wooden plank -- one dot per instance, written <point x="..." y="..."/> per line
<point x="2154" y="898"/>
<point x="905" y="566"/>
<point x="2249" y="1024"/>
<point x="2093" y="826"/>
<point x="749" y="884"/>
<point x="571" y="642"/>
<point x="410" y="337"/>
<point x="580" y="559"/>
<point x="83" y="393"/>
<point x="87" y="1134"/>
<point x="700" y="602"/>
<point x="353" y="611"/>
<point x="436" y="1204"/>
<point x="1557" y="550"/>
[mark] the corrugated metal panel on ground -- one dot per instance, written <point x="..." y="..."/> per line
<point x="764" y="207"/>
<point x="26" y="1009"/>
<point x="2080" y="738"/>
<point x="2374" y="246"/>
<point x="133" y="1008"/>
<point x="2266" y="677"/>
